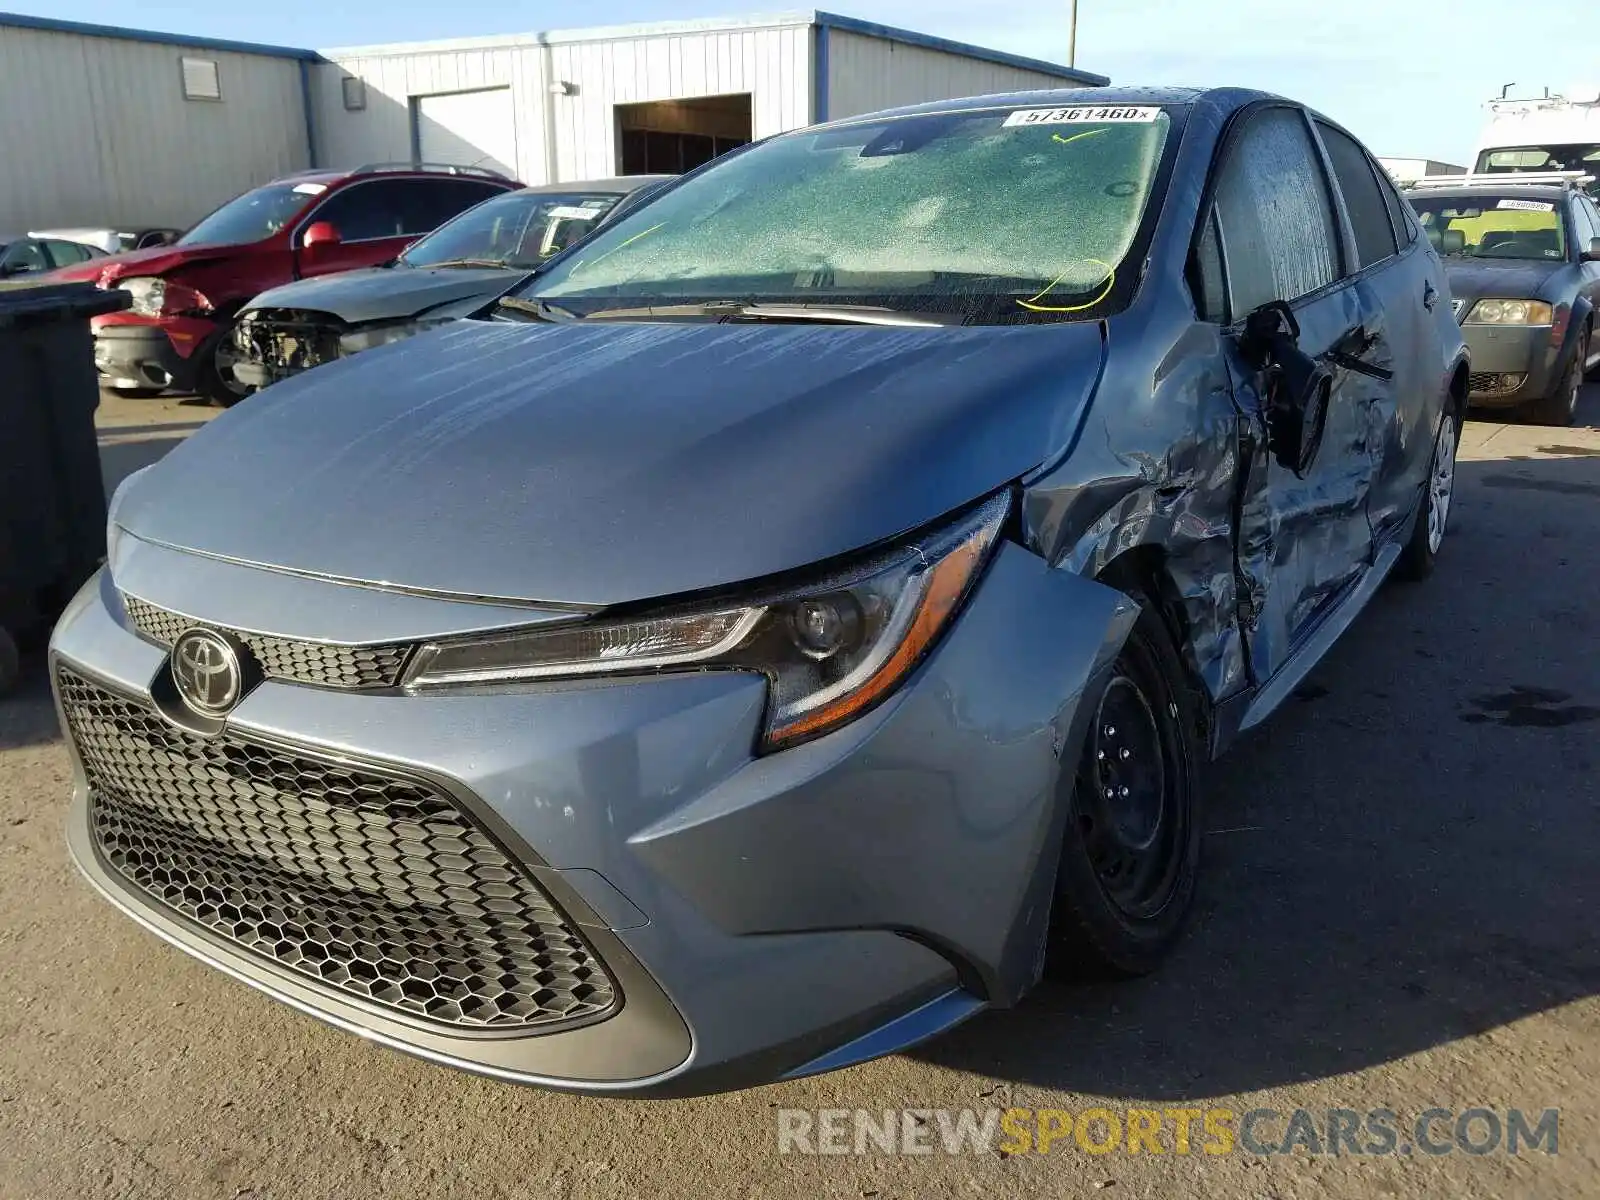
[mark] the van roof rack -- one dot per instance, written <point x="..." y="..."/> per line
<point x="1508" y="179"/>
<point x="444" y="168"/>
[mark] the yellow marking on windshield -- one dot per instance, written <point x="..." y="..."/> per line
<point x="1056" y="137"/>
<point x="623" y="246"/>
<point x="1032" y="302"/>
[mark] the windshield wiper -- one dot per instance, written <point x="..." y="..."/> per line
<point x="538" y="310"/>
<point x="470" y="262"/>
<point x="740" y="310"/>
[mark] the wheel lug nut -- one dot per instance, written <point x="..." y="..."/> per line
<point x="1124" y="793"/>
<point x="1111" y="731"/>
<point x="1126" y="754"/>
<point x="1100" y="754"/>
<point x="1110" y="793"/>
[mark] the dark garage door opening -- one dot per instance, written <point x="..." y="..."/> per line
<point x="673" y="136"/>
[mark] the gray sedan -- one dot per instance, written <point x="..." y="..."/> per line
<point x="1523" y="261"/>
<point x="446" y="276"/>
<point x="802" y="619"/>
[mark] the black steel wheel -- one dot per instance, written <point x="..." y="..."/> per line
<point x="1131" y="847"/>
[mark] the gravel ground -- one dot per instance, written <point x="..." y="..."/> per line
<point x="1397" y="912"/>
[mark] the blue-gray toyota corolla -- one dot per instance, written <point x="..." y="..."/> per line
<point x="798" y="617"/>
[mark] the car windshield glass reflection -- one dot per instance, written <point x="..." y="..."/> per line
<point x="520" y="230"/>
<point x="1494" y="227"/>
<point x="998" y="213"/>
<point x="255" y="215"/>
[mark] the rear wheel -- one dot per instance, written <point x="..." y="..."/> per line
<point x="1427" y="536"/>
<point x="214" y="377"/>
<point x="1560" y="407"/>
<point x="1130" y="853"/>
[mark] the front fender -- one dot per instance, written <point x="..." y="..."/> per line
<point x="1582" y="310"/>
<point x="940" y="815"/>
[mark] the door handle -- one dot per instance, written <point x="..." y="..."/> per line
<point x="1430" y="295"/>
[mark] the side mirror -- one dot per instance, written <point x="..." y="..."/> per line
<point x="1592" y="254"/>
<point x="320" y="234"/>
<point x="1296" y="387"/>
<point x="13" y="268"/>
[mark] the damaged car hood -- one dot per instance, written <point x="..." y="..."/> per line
<point x="388" y="293"/>
<point x="593" y="464"/>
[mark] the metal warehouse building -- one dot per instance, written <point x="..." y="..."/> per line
<point x="124" y="125"/>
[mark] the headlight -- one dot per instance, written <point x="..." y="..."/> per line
<point x="831" y="649"/>
<point x="149" y="294"/>
<point x="1509" y="312"/>
<point x="381" y="335"/>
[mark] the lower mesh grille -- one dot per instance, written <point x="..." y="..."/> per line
<point x="349" y="667"/>
<point x="377" y="887"/>
<point x="1484" y="383"/>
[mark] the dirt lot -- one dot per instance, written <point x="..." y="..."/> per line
<point x="1398" y="912"/>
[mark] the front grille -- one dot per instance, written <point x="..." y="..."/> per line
<point x="345" y="667"/>
<point x="380" y="888"/>
<point x="1488" y="383"/>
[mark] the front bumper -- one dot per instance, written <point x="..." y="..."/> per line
<point x="149" y="352"/>
<point x="761" y="917"/>
<point x="1502" y="354"/>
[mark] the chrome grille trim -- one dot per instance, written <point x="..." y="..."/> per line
<point x="347" y="668"/>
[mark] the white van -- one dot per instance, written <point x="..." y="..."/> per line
<point x="1551" y="133"/>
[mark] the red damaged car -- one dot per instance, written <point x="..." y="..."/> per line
<point x="177" y="334"/>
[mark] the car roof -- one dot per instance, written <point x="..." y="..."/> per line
<point x="1070" y="97"/>
<point x="620" y="184"/>
<point x="1529" y="191"/>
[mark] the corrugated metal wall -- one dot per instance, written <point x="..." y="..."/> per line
<point x="867" y="73"/>
<point x="96" y="129"/>
<point x="773" y="64"/>
<point x="382" y="131"/>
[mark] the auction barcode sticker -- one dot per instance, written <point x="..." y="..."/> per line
<point x="1527" y="205"/>
<point x="1082" y="113"/>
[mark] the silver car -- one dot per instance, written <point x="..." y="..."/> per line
<point x="800" y="620"/>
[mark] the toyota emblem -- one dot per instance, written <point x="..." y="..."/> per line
<point x="207" y="669"/>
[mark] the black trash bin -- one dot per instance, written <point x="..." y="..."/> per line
<point x="52" y="502"/>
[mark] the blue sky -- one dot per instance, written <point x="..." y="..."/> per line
<point x="1408" y="79"/>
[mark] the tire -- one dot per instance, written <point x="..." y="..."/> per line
<point x="1560" y="407"/>
<point x="1126" y="879"/>
<point x="212" y="380"/>
<point x="1427" y="536"/>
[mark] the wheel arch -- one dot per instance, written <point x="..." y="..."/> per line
<point x="1146" y="571"/>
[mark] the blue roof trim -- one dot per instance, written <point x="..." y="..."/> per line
<point x="83" y="29"/>
<point x="926" y="41"/>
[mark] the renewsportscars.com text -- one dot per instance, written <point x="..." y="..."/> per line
<point x="1179" y="1131"/>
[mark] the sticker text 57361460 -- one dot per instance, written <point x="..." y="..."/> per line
<point x="1079" y="114"/>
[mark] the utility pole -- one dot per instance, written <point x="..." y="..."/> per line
<point x="1072" y="34"/>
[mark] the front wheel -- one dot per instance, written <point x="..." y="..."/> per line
<point x="1560" y="407"/>
<point x="214" y="377"/>
<point x="1130" y="853"/>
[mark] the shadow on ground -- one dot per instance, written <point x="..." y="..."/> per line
<point x="1403" y="857"/>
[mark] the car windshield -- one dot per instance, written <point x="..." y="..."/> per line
<point x="999" y="214"/>
<point x="255" y="215"/>
<point x="1562" y="157"/>
<point x="1493" y="227"/>
<point x="519" y="230"/>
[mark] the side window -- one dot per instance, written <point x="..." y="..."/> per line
<point x="432" y="202"/>
<point x="25" y="256"/>
<point x="1400" y="214"/>
<point x="1363" y="199"/>
<point x="67" y="254"/>
<point x="1206" y="277"/>
<point x="1584" y="229"/>
<point x="1274" y="214"/>
<point x="366" y="211"/>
